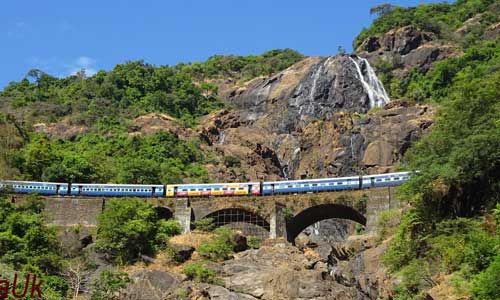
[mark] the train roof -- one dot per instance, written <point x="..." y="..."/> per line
<point x="211" y="184"/>
<point x="116" y="184"/>
<point x="31" y="182"/>
<point x="311" y="180"/>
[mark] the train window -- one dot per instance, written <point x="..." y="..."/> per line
<point x="378" y="180"/>
<point x="290" y="186"/>
<point x="192" y="190"/>
<point x="224" y="189"/>
<point x="396" y="178"/>
<point x="314" y="184"/>
<point x="209" y="189"/>
<point x="233" y="189"/>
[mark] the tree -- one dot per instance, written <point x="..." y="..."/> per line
<point x="382" y="9"/>
<point x="126" y="228"/>
<point x="76" y="273"/>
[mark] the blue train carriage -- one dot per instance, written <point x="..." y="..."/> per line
<point x="42" y="188"/>
<point x="310" y="185"/>
<point x="117" y="190"/>
<point x="389" y="179"/>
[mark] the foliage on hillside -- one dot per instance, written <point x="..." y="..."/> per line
<point x="440" y="18"/>
<point x="129" y="228"/>
<point x="28" y="246"/>
<point x="105" y="103"/>
<point x="459" y="161"/>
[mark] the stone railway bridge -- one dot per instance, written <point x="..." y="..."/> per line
<point x="278" y="216"/>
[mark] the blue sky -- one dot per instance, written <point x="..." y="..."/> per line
<point x="61" y="37"/>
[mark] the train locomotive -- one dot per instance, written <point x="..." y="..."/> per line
<point x="208" y="189"/>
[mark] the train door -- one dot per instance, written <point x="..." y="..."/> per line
<point x="58" y="186"/>
<point x="261" y="188"/>
<point x="153" y="191"/>
<point x="80" y="190"/>
<point x="175" y="191"/>
<point x="272" y="188"/>
<point x="249" y="188"/>
<point x="372" y="181"/>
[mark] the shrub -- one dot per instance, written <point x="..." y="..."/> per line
<point x="108" y="284"/>
<point x="254" y="242"/>
<point x="232" y="161"/>
<point x="219" y="248"/>
<point x="486" y="285"/>
<point x="166" y="229"/>
<point x="205" y="224"/>
<point x="126" y="228"/>
<point x="387" y="222"/>
<point x="199" y="272"/>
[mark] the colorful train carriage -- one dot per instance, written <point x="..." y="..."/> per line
<point x="43" y="188"/>
<point x="213" y="189"/>
<point x="117" y="190"/>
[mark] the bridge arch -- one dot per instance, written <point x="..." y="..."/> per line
<point x="163" y="212"/>
<point x="321" y="212"/>
<point x="241" y="219"/>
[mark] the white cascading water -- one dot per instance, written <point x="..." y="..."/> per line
<point x="372" y="85"/>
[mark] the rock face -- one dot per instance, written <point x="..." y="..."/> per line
<point x="405" y="48"/>
<point x="311" y="89"/>
<point x="309" y="120"/>
<point x="336" y="145"/>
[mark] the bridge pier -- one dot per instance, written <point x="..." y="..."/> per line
<point x="277" y="222"/>
<point x="183" y="214"/>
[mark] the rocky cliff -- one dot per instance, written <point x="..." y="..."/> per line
<point x="322" y="117"/>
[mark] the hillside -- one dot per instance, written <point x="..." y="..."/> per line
<point x="274" y="116"/>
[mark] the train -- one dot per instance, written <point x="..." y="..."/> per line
<point x="261" y="188"/>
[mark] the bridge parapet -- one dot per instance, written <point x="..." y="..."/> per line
<point x="275" y="212"/>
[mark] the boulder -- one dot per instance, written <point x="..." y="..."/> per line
<point x="240" y="242"/>
<point x="182" y="253"/>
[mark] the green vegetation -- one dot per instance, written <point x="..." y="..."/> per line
<point x="439" y="18"/>
<point x="244" y="67"/>
<point x="219" y="248"/>
<point x="130" y="227"/>
<point x="205" y="224"/>
<point x="254" y="242"/>
<point x="102" y="107"/>
<point x="446" y="231"/>
<point x="108" y="284"/>
<point x="200" y="272"/>
<point x="28" y="246"/>
<point x="386" y="223"/>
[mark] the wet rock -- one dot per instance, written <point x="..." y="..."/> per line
<point x="240" y="242"/>
<point x="182" y="253"/>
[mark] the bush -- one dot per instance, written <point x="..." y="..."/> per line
<point x="486" y="286"/>
<point x="108" y="284"/>
<point x="231" y="161"/>
<point x="219" y="248"/>
<point x="166" y="229"/>
<point x="199" y="272"/>
<point x="254" y="242"/>
<point x="129" y="227"/>
<point x="205" y="224"/>
<point x="387" y="223"/>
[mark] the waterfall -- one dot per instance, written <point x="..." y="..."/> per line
<point x="222" y="137"/>
<point x="372" y="85"/>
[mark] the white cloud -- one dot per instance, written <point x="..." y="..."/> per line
<point x="83" y="62"/>
<point x="61" y="68"/>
